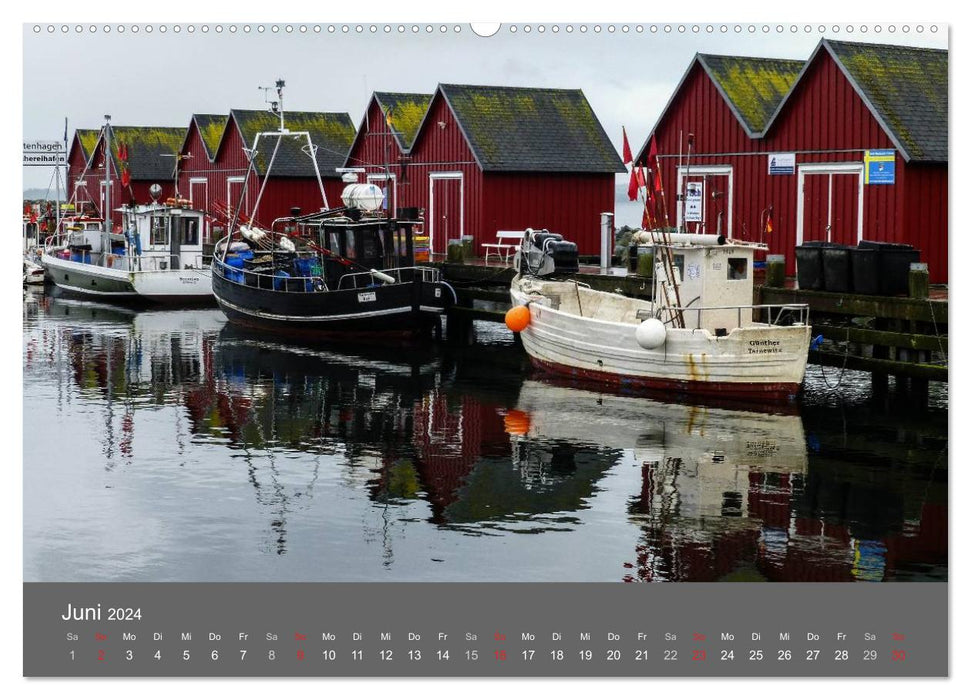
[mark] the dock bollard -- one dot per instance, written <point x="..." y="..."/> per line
<point x="918" y="281"/>
<point x="775" y="270"/>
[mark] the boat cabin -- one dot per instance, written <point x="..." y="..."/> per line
<point x="716" y="284"/>
<point x="160" y="237"/>
<point x="371" y="244"/>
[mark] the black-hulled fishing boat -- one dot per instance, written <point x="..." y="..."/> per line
<point x="347" y="272"/>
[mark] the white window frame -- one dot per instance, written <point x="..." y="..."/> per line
<point x="828" y="169"/>
<point x="230" y="181"/>
<point x="432" y="177"/>
<point x="702" y="170"/>
<point x="377" y="178"/>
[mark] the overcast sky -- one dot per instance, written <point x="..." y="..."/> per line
<point x="161" y="79"/>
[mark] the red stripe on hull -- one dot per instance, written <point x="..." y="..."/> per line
<point x="761" y="391"/>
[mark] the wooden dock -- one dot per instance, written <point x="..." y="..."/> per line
<point x="904" y="337"/>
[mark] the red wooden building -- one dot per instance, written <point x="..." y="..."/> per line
<point x="857" y="134"/>
<point x="196" y="162"/>
<point x="384" y="138"/>
<point x="221" y="173"/>
<point x="486" y="159"/>
<point x="150" y="160"/>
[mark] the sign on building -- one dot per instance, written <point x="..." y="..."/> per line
<point x="880" y="167"/>
<point x="694" y="201"/>
<point x="782" y="164"/>
<point x="44" y="153"/>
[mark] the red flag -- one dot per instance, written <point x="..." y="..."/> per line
<point x="125" y="177"/>
<point x="628" y="158"/>
<point x="632" y="185"/>
<point x="645" y="221"/>
<point x="122" y="151"/>
<point x="768" y="224"/>
<point x="653" y="163"/>
<point x="641" y="180"/>
<point x="33" y="218"/>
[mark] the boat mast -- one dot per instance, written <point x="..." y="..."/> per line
<point x="107" y="140"/>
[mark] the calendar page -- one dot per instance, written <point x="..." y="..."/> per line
<point x="437" y="349"/>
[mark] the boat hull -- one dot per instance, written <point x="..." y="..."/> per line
<point x="154" y="286"/>
<point x="405" y="309"/>
<point x="750" y="363"/>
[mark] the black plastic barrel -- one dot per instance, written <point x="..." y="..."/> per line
<point x="866" y="270"/>
<point x="809" y="264"/>
<point x="837" y="269"/>
<point x="894" y="265"/>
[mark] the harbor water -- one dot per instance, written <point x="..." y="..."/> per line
<point x="170" y="446"/>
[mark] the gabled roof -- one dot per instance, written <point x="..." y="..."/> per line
<point x="211" y="127"/>
<point x="404" y="112"/>
<point x="151" y="150"/>
<point x="753" y="88"/>
<point x="88" y="140"/>
<point x="906" y="90"/>
<point x="331" y="132"/>
<point x="515" y="129"/>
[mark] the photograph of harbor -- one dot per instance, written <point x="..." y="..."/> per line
<point x="467" y="313"/>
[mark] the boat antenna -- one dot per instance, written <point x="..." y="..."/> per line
<point x="276" y="106"/>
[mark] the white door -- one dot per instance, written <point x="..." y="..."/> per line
<point x="830" y="204"/>
<point x="446" y="211"/>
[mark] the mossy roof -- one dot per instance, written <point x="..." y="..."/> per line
<point x="906" y="89"/>
<point x="404" y="112"/>
<point x="88" y="140"/>
<point x="517" y="129"/>
<point x="331" y="132"/>
<point x="151" y="150"/>
<point x="211" y="128"/>
<point x="752" y="87"/>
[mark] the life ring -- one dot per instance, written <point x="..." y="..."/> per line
<point x="319" y="284"/>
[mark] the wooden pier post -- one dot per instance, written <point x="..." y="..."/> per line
<point x="918" y="285"/>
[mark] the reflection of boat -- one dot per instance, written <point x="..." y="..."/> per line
<point x="720" y="440"/>
<point x="701" y="335"/>
<point x="157" y="258"/>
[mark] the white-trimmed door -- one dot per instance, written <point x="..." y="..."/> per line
<point x="234" y="190"/>
<point x="830" y="205"/>
<point x="717" y="186"/>
<point x="446" y="211"/>
<point x="199" y="195"/>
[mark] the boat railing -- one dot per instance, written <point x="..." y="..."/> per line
<point x="266" y="280"/>
<point x="769" y="314"/>
<point x="359" y="280"/>
<point x="301" y="284"/>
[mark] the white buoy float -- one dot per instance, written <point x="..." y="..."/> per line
<point x="651" y="334"/>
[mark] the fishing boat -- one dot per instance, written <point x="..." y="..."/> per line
<point x="701" y="334"/>
<point x="346" y="272"/>
<point x="343" y="273"/>
<point x="156" y="256"/>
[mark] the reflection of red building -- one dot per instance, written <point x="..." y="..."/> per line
<point x="775" y="540"/>
<point x="450" y="434"/>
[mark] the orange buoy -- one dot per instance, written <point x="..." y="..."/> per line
<point x="516" y="422"/>
<point x="517" y="318"/>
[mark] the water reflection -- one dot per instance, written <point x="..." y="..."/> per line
<point x="213" y="454"/>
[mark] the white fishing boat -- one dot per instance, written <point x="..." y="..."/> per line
<point x="157" y="256"/>
<point x="701" y="334"/>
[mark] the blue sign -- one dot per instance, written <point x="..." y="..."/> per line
<point x="880" y="167"/>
